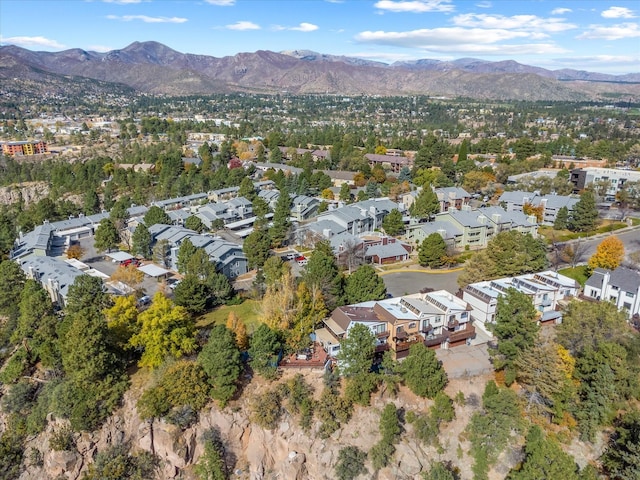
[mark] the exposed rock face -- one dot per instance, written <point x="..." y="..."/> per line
<point x="29" y="192"/>
<point x="287" y="452"/>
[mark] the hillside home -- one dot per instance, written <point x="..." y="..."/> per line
<point x="545" y="289"/>
<point x="616" y="178"/>
<point x="55" y="276"/>
<point x="437" y="319"/>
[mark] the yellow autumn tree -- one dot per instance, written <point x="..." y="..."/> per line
<point x="238" y="327"/>
<point x="609" y="254"/>
<point x="309" y="311"/>
<point x="279" y="301"/>
<point x="122" y="319"/>
<point x="129" y="275"/>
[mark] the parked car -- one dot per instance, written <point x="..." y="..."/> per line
<point x="130" y="261"/>
<point x="302" y="260"/>
<point x="142" y="301"/>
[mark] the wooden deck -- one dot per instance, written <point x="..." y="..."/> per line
<point x="316" y="359"/>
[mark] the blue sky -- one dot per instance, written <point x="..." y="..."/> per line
<point x="599" y="36"/>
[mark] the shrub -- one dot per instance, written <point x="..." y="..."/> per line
<point x="117" y="462"/>
<point x="62" y="439"/>
<point x="266" y="409"/>
<point x="350" y="463"/>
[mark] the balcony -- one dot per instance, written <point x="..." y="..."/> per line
<point x="453" y="338"/>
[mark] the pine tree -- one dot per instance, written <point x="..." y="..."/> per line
<point x="392" y="223"/>
<point x="422" y="371"/>
<point x="562" y="219"/>
<point x="363" y="285"/>
<point x="425" y="205"/>
<point x="584" y="217"/>
<point x="221" y="360"/>
<point x="515" y="328"/>
<point x="432" y="251"/>
<point x="281" y="219"/>
<point x="141" y="241"/>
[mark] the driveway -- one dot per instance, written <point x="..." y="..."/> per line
<point x="465" y="361"/>
<point x="412" y="281"/>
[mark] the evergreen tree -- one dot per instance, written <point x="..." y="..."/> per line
<point x="142" y="241"/>
<point x="257" y="248"/>
<point x="90" y="202"/>
<point x="281" y="219"/>
<point x="264" y="346"/>
<point x="515" y="329"/>
<point x="584" y="217"/>
<point x="356" y="351"/>
<point x="247" y="189"/>
<point x="106" y="237"/>
<point x="220" y="358"/>
<point x="350" y="463"/>
<point x="404" y="175"/>
<point x="422" y="371"/>
<point x="345" y="192"/>
<point x="363" y="285"/>
<point x="156" y="215"/>
<point x="562" y="219"/>
<point x="191" y="294"/>
<point x="432" y="251"/>
<point x="544" y="459"/>
<point x="194" y="223"/>
<point x="425" y="205"/>
<point x="185" y="252"/>
<point x="622" y="457"/>
<point x="392" y="223"/>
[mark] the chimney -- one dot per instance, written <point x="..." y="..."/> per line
<point x="496" y="217"/>
<point x="482" y="219"/>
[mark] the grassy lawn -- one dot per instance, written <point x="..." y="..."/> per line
<point x="551" y="235"/>
<point x="247" y="311"/>
<point x="578" y="273"/>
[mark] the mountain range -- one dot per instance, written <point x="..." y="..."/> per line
<point x="151" y="67"/>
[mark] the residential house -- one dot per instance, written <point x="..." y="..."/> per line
<point x="620" y="286"/>
<point x="437" y="319"/>
<point x="516" y="200"/>
<point x="545" y="289"/>
<point x="227" y="256"/>
<point x="55" y="276"/>
<point x="452" y="197"/>
<point x="392" y="163"/>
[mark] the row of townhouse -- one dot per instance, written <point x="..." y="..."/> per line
<point x="355" y="219"/>
<point x="516" y="200"/>
<point x="227" y="256"/>
<point x="547" y="290"/>
<point x="472" y="228"/>
<point x="440" y="319"/>
<point x="448" y="198"/>
<point x="620" y="286"/>
<point x="436" y="319"/>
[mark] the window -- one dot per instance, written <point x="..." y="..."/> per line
<point x="463" y="315"/>
<point x="613" y="287"/>
<point x="629" y="294"/>
<point x="378" y="329"/>
<point x="626" y="306"/>
<point x="412" y="325"/>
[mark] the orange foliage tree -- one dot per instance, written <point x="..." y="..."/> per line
<point x="609" y="254"/>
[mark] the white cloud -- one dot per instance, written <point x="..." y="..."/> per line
<point x="305" y="27"/>
<point x="618" y="12"/>
<point x="100" y="48"/>
<point x="415" y="6"/>
<point x="560" y="11"/>
<point x="531" y="23"/>
<point x="147" y="19"/>
<point x="32" y="42"/>
<point x="221" y="3"/>
<point x="427" y="38"/>
<point x="243" y="25"/>
<point x="484" y="5"/>
<point x="613" y="32"/>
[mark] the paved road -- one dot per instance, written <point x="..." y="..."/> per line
<point x="630" y="238"/>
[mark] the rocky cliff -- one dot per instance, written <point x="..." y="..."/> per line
<point x="287" y="452"/>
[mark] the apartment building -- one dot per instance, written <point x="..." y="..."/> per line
<point x="616" y="179"/>
<point x="620" y="286"/>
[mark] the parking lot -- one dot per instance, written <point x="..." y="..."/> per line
<point x="105" y="265"/>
